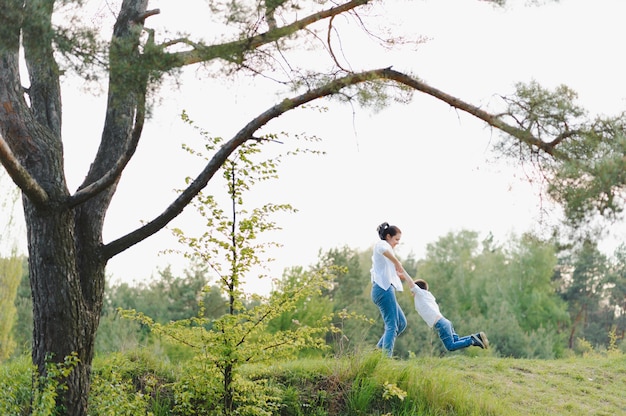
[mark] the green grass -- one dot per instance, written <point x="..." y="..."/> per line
<point x="577" y="386"/>
<point x="463" y="385"/>
<point x="367" y="384"/>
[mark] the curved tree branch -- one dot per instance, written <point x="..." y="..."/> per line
<point x="43" y="71"/>
<point x="565" y="135"/>
<point x="231" y="51"/>
<point x="117" y="246"/>
<point x="29" y="136"/>
<point x="27" y="184"/>
<point x="142" y="17"/>
<point x="491" y="119"/>
<point x="125" y="113"/>
<point x="112" y="175"/>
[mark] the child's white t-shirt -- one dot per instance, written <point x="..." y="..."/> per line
<point x="426" y="305"/>
<point x="383" y="271"/>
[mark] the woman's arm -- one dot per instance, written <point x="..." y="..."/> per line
<point x="399" y="269"/>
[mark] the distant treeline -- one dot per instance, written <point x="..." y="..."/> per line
<point x="534" y="299"/>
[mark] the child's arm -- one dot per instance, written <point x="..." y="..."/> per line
<point x="408" y="278"/>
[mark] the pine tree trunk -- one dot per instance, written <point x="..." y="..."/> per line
<point x="66" y="314"/>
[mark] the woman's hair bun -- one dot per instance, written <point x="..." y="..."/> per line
<point x="381" y="230"/>
<point x="384" y="229"/>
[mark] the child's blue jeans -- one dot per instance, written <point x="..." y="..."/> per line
<point x="450" y="338"/>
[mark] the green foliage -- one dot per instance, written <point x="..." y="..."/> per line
<point x="587" y="173"/>
<point x="168" y="298"/>
<point x="616" y="287"/>
<point x="25" y="392"/>
<point x="583" y="347"/>
<point x="116" y="334"/>
<point x="165" y="299"/>
<point x="15" y="384"/>
<point x="306" y="311"/>
<point x="46" y="387"/>
<point x="546" y="113"/>
<point x="12" y="267"/>
<point x="113" y="395"/>
<point x="130" y="384"/>
<point x="224" y="344"/>
<point x="592" y="183"/>
<point x="78" y="44"/>
<point x="370" y="384"/>
<point x="242" y="335"/>
<point x="140" y="382"/>
<point x="516" y="293"/>
<point x="23" y="328"/>
<point x="10" y="277"/>
<point x="585" y="286"/>
<point x="349" y="299"/>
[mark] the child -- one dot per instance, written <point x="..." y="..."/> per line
<point x="427" y="307"/>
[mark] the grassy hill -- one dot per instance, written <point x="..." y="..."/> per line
<point x="479" y="385"/>
<point x="143" y="383"/>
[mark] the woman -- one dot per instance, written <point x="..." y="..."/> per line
<point x="387" y="272"/>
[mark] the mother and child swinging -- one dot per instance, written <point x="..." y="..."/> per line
<point x="387" y="274"/>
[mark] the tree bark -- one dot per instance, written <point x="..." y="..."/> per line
<point x="65" y="322"/>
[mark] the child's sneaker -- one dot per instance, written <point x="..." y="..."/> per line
<point x="476" y="341"/>
<point x="483" y="340"/>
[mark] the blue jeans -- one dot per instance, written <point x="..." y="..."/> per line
<point x="449" y="338"/>
<point x="393" y="316"/>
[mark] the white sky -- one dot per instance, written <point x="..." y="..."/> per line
<point x="421" y="166"/>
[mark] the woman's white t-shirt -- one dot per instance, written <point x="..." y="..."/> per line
<point x="383" y="271"/>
